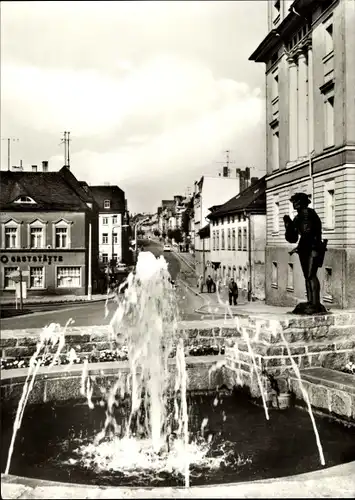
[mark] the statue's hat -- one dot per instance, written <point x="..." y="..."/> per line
<point x="302" y="197"/>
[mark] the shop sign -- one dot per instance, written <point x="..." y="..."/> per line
<point x="48" y="259"/>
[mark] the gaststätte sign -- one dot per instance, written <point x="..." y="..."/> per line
<point x="44" y="258"/>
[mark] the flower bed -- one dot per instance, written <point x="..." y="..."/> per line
<point x="119" y="354"/>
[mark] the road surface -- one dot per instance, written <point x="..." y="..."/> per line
<point x="94" y="313"/>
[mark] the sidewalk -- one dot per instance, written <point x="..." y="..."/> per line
<point x="53" y="299"/>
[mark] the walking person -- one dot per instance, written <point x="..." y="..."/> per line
<point x="209" y="283"/>
<point x="233" y="292"/>
<point x="200" y="283"/>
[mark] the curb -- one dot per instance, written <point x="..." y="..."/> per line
<point x="49" y="303"/>
<point x="184" y="261"/>
<point x="194" y="291"/>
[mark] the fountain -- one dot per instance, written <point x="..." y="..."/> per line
<point x="142" y="425"/>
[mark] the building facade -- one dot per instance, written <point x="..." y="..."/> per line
<point x="113" y="225"/>
<point x="211" y="191"/>
<point x="310" y="94"/>
<point x="48" y="229"/>
<point x="238" y="237"/>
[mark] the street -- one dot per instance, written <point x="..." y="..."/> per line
<point x="94" y="313"/>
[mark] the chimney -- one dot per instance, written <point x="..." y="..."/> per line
<point x="225" y="171"/>
<point x="44" y="166"/>
<point x="34" y="168"/>
<point x="253" y="180"/>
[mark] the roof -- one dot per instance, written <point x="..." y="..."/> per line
<point x="205" y="232"/>
<point x="281" y="33"/>
<point x="252" y="200"/>
<point x="112" y="193"/>
<point x="58" y="190"/>
<point x="168" y="203"/>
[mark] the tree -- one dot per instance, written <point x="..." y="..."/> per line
<point x="177" y="235"/>
<point x="156" y="232"/>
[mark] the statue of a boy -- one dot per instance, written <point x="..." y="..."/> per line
<point x="311" y="249"/>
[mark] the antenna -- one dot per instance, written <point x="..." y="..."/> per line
<point x="64" y="141"/>
<point x="227" y="161"/>
<point x="68" y="140"/>
<point x="9" y="139"/>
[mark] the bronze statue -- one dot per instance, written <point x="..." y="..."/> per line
<point x="311" y="249"/>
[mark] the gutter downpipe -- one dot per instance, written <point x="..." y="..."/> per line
<point x="250" y="288"/>
<point x="310" y="119"/>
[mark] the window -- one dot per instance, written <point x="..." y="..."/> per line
<point x="328" y="38"/>
<point x="239" y="238"/>
<point x="105" y="238"/>
<point x="228" y="219"/>
<point x="114" y="219"/>
<point x="11" y="237"/>
<point x="105" y="221"/>
<point x="114" y="257"/>
<point x="329" y="198"/>
<point x="233" y="239"/>
<point x="276" y="12"/>
<point x="290" y="277"/>
<point x="61" y="233"/>
<point x="274" y="281"/>
<point x="115" y="238"/>
<point x="222" y="239"/>
<point x="61" y="237"/>
<point x="36" y="237"/>
<point x="36" y="277"/>
<point x="25" y="199"/>
<point x="327" y="295"/>
<point x="105" y="258"/>
<point x="275" y="149"/>
<point x="213" y="240"/>
<point x="217" y="240"/>
<point x="276" y="215"/>
<point x="229" y="239"/>
<point x="8" y="282"/>
<point x="245" y="238"/>
<point x="107" y="204"/>
<point x="329" y="120"/>
<point x="275" y="84"/>
<point x="68" y="277"/>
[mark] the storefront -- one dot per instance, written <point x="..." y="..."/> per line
<point x="49" y="272"/>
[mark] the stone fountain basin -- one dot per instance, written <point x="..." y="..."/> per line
<point x="63" y="382"/>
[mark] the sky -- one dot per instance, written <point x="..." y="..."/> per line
<point x="152" y="93"/>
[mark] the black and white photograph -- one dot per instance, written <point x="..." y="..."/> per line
<point x="177" y="249"/>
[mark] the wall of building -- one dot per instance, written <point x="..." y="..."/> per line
<point x="48" y="257"/>
<point x="215" y="191"/>
<point x="235" y="259"/>
<point x="110" y="228"/>
<point x="297" y="109"/>
<point x="76" y="220"/>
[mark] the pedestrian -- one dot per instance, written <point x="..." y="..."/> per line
<point x="233" y="292"/>
<point x="200" y="283"/>
<point x="209" y="282"/>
